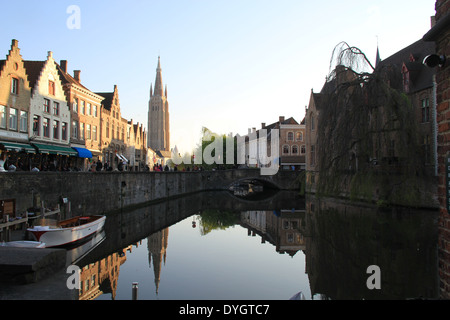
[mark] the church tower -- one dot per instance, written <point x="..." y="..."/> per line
<point x="158" y="115"/>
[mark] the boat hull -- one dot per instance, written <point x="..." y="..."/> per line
<point x="57" y="237"/>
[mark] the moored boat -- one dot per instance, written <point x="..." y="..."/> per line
<point x="68" y="232"/>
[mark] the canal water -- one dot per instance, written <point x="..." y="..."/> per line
<point x="270" y="246"/>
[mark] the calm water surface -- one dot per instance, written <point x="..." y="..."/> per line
<point x="215" y="246"/>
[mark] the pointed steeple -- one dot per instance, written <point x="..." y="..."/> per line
<point x="378" y="59"/>
<point x="158" y="82"/>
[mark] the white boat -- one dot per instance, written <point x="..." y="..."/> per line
<point x="23" y="244"/>
<point x="68" y="232"/>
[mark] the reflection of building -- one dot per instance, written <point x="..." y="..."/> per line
<point x="101" y="277"/>
<point x="281" y="228"/>
<point x="157" y="249"/>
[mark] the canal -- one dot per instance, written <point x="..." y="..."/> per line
<point x="219" y="246"/>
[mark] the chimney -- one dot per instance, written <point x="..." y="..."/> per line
<point x="63" y="65"/>
<point x="281" y="119"/>
<point x="14" y="43"/>
<point x="433" y="21"/>
<point x="263" y="125"/>
<point x="50" y="55"/>
<point x="253" y="130"/>
<point x="76" y="75"/>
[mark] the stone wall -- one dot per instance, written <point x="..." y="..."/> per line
<point x="96" y="193"/>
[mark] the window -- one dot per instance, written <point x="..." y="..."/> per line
<point x="299" y="135"/>
<point x="425" y="110"/>
<point x="75" y="129"/>
<point x="88" y="110"/>
<point x="107" y="128"/>
<point x="23" y="121"/>
<point x="112" y="130"/>
<point x="82" y="131"/>
<point x="312" y="123"/>
<point x="56" y="108"/>
<point x="303" y="149"/>
<point x="14" y="85"/>
<point x="83" y="107"/>
<point x="64" y="131"/>
<point x="46" y="127"/>
<point x="94" y="133"/>
<point x="47" y="105"/>
<point x="12" y="119"/>
<point x="118" y="136"/>
<point x="36" y="125"/>
<point x="285" y="149"/>
<point x="51" y="87"/>
<point x="94" y="112"/>
<point x="294" y="150"/>
<point x="55" y="129"/>
<point x="88" y="132"/>
<point x="123" y="134"/>
<point x="313" y="155"/>
<point x="75" y="105"/>
<point x="2" y="117"/>
<point x="290" y="136"/>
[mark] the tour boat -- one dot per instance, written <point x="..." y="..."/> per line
<point x="68" y="232"/>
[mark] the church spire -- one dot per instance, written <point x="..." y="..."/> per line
<point x="158" y="82"/>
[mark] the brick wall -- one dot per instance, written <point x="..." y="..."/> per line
<point x="442" y="40"/>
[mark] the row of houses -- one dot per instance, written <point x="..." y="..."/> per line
<point x="50" y="120"/>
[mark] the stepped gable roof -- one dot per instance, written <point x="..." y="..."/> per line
<point x="33" y="69"/>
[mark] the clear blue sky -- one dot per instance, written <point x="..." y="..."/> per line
<point x="229" y="65"/>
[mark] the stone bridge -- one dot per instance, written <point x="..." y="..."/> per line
<point x="223" y="179"/>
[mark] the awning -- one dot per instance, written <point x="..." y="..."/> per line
<point x="65" y="151"/>
<point x="18" y="147"/>
<point x="123" y="157"/>
<point x="83" y="153"/>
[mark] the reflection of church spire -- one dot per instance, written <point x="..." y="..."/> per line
<point x="157" y="249"/>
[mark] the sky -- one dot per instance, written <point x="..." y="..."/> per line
<point x="228" y="65"/>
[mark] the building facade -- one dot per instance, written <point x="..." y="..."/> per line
<point x="113" y="128"/>
<point x="15" y="94"/>
<point x="49" y="125"/>
<point x="85" y="115"/>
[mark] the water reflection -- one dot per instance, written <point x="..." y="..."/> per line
<point x="333" y="243"/>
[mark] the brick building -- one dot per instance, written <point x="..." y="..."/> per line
<point x="84" y="108"/>
<point x="113" y="128"/>
<point x="15" y="96"/>
<point x="440" y="35"/>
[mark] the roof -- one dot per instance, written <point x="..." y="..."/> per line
<point x="67" y="78"/>
<point x="421" y="77"/>
<point x="108" y="99"/>
<point x="33" y="69"/>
